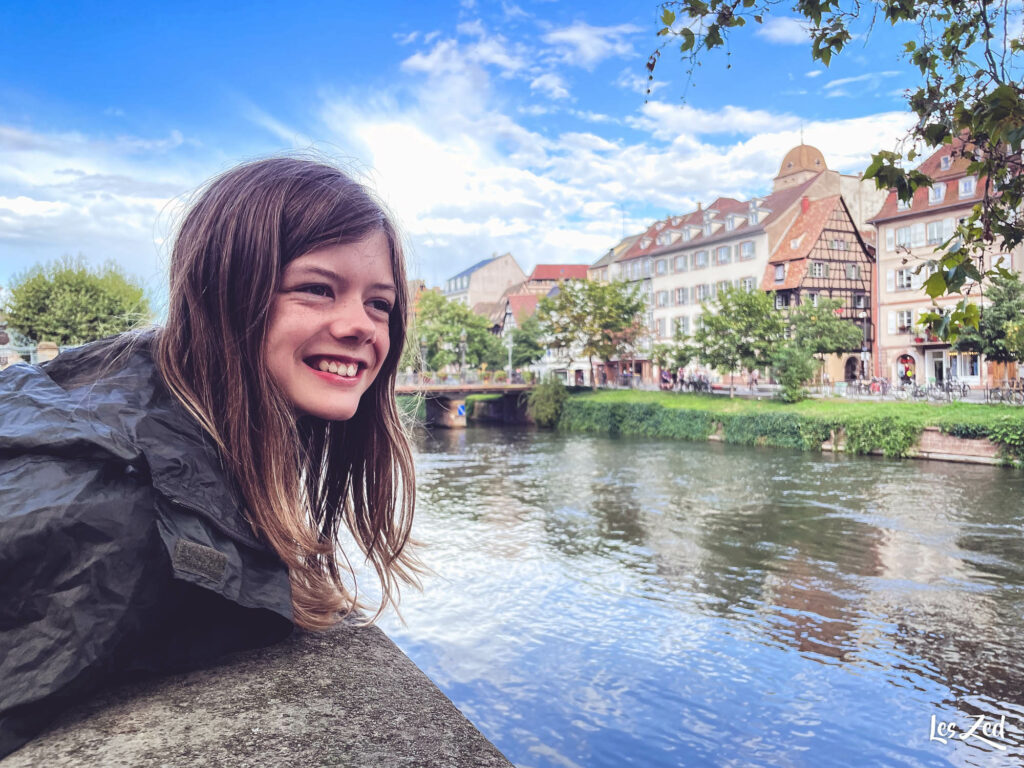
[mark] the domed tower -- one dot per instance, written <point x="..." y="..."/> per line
<point x="800" y="164"/>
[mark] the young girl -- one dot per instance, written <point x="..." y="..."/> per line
<point x="172" y="495"/>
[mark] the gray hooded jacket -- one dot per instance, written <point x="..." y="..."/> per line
<point x="124" y="549"/>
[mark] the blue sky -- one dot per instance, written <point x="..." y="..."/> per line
<point x="487" y="126"/>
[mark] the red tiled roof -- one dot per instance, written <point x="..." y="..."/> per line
<point x="797" y="243"/>
<point x="932" y="167"/>
<point x="523" y="305"/>
<point x="559" y="272"/>
<point x="776" y="203"/>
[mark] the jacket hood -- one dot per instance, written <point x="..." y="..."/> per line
<point x="128" y="414"/>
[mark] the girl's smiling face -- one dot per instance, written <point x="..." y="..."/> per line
<point x="328" y="334"/>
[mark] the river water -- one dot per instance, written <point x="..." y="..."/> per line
<point x="624" y="602"/>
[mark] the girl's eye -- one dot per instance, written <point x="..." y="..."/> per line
<point x="316" y="289"/>
<point x="382" y="305"/>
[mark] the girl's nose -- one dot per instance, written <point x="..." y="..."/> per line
<point x="351" y="321"/>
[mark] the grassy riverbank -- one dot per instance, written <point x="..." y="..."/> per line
<point x="890" y="427"/>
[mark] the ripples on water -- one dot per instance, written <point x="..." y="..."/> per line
<point x="602" y="602"/>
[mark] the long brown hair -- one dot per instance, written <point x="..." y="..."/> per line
<point x="301" y="480"/>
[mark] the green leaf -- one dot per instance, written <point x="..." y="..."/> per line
<point x="668" y="18"/>
<point x="935" y="285"/>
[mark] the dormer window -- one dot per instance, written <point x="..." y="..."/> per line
<point x="945" y="163"/>
<point x="936" y="193"/>
<point x="967" y="186"/>
<point x="707" y="229"/>
<point x="752" y="217"/>
<point x="686" y="234"/>
<point x="902" y="205"/>
<point x="780" y="273"/>
<point x="645" y="242"/>
<point x="795" y="242"/>
<point x="730" y="223"/>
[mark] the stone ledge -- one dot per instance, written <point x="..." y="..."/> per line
<point x="347" y="697"/>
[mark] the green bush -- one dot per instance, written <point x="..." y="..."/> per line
<point x="893" y="436"/>
<point x="793" y="367"/>
<point x="545" y="401"/>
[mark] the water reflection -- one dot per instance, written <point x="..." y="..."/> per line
<point x="611" y="602"/>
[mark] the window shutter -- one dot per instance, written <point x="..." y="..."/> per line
<point x="948" y="225"/>
<point x="917" y="235"/>
<point x="890" y="239"/>
<point x="892" y="322"/>
<point x="916" y="279"/>
<point x="890" y="280"/>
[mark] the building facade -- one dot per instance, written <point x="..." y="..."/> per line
<point x="908" y="237"/>
<point x="485" y="281"/>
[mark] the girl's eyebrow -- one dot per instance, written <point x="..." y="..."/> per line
<point x="330" y="274"/>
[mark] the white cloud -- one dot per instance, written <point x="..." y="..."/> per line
<point x="815" y="73"/>
<point x="586" y="46"/>
<point x="667" y="121"/>
<point x="407" y="38"/>
<point x="633" y="81"/>
<point x="785" y="30"/>
<point x="868" y="77"/>
<point x="550" y="84"/>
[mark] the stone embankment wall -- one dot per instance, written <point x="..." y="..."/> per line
<point x="347" y="697"/>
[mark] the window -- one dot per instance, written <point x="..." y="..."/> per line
<point x="662" y="297"/>
<point x="687" y="234"/>
<point x="722" y="255"/>
<point x="659" y="325"/>
<point x="945" y="163"/>
<point x="683" y="325"/>
<point x="819" y="269"/>
<point x="747" y="284"/>
<point x="700" y="259"/>
<point x="647" y="267"/>
<point x="721" y="285"/>
<point x="661" y="267"/>
<point x="853" y="272"/>
<point x="707" y="229"/>
<point x="917" y="235"/>
<point x="730" y="223"/>
<point x="747" y="250"/>
<point x="904" y="279"/>
<point x="680" y="263"/>
<point x="967" y="186"/>
<point x="903" y="237"/>
<point x="645" y="242"/>
<point x="795" y="242"/>
<point x="860" y="301"/>
<point x="903" y="205"/>
<point x="781" y="300"/>
<point x="812" y="299"/>
<point x="936" y="193"/>
<point x="905" y="321"/>
<point x="752" y="217"/>
<point x="839" y="245"/>
<point x="780" y="273"/>
<point x="682" y="296"/>
<point x="934" y="232"/>
<point x="703" y="292"/>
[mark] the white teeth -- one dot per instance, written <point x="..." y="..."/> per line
<point x="339" y="369"/>
<point x="352" y="368"/>
<point x="333" y="367"/>
<point x="324" y="365"/>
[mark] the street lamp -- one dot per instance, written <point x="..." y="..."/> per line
<point x="508" y="343"/>
<point x="462" y="352"/>
<point x="864" y="345"/>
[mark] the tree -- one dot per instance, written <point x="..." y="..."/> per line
<point x="822" y="330"/>
<point x="439" y="326"/>
<point x="1005" y="307"/>
<point x="602" y="320"/>
<point x="675" y="354"/>
<point x="527" y="347"/>
<point x="67" y="302"/>
<point x="738" y="329"/>
<point x="793" y="365"/>
<point x="970" y="95"/>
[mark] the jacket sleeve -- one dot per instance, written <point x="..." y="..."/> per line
<point x="82" y="574"/>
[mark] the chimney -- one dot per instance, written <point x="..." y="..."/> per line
<point x="805" y="204"/>
<point x="699" y="205"/>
